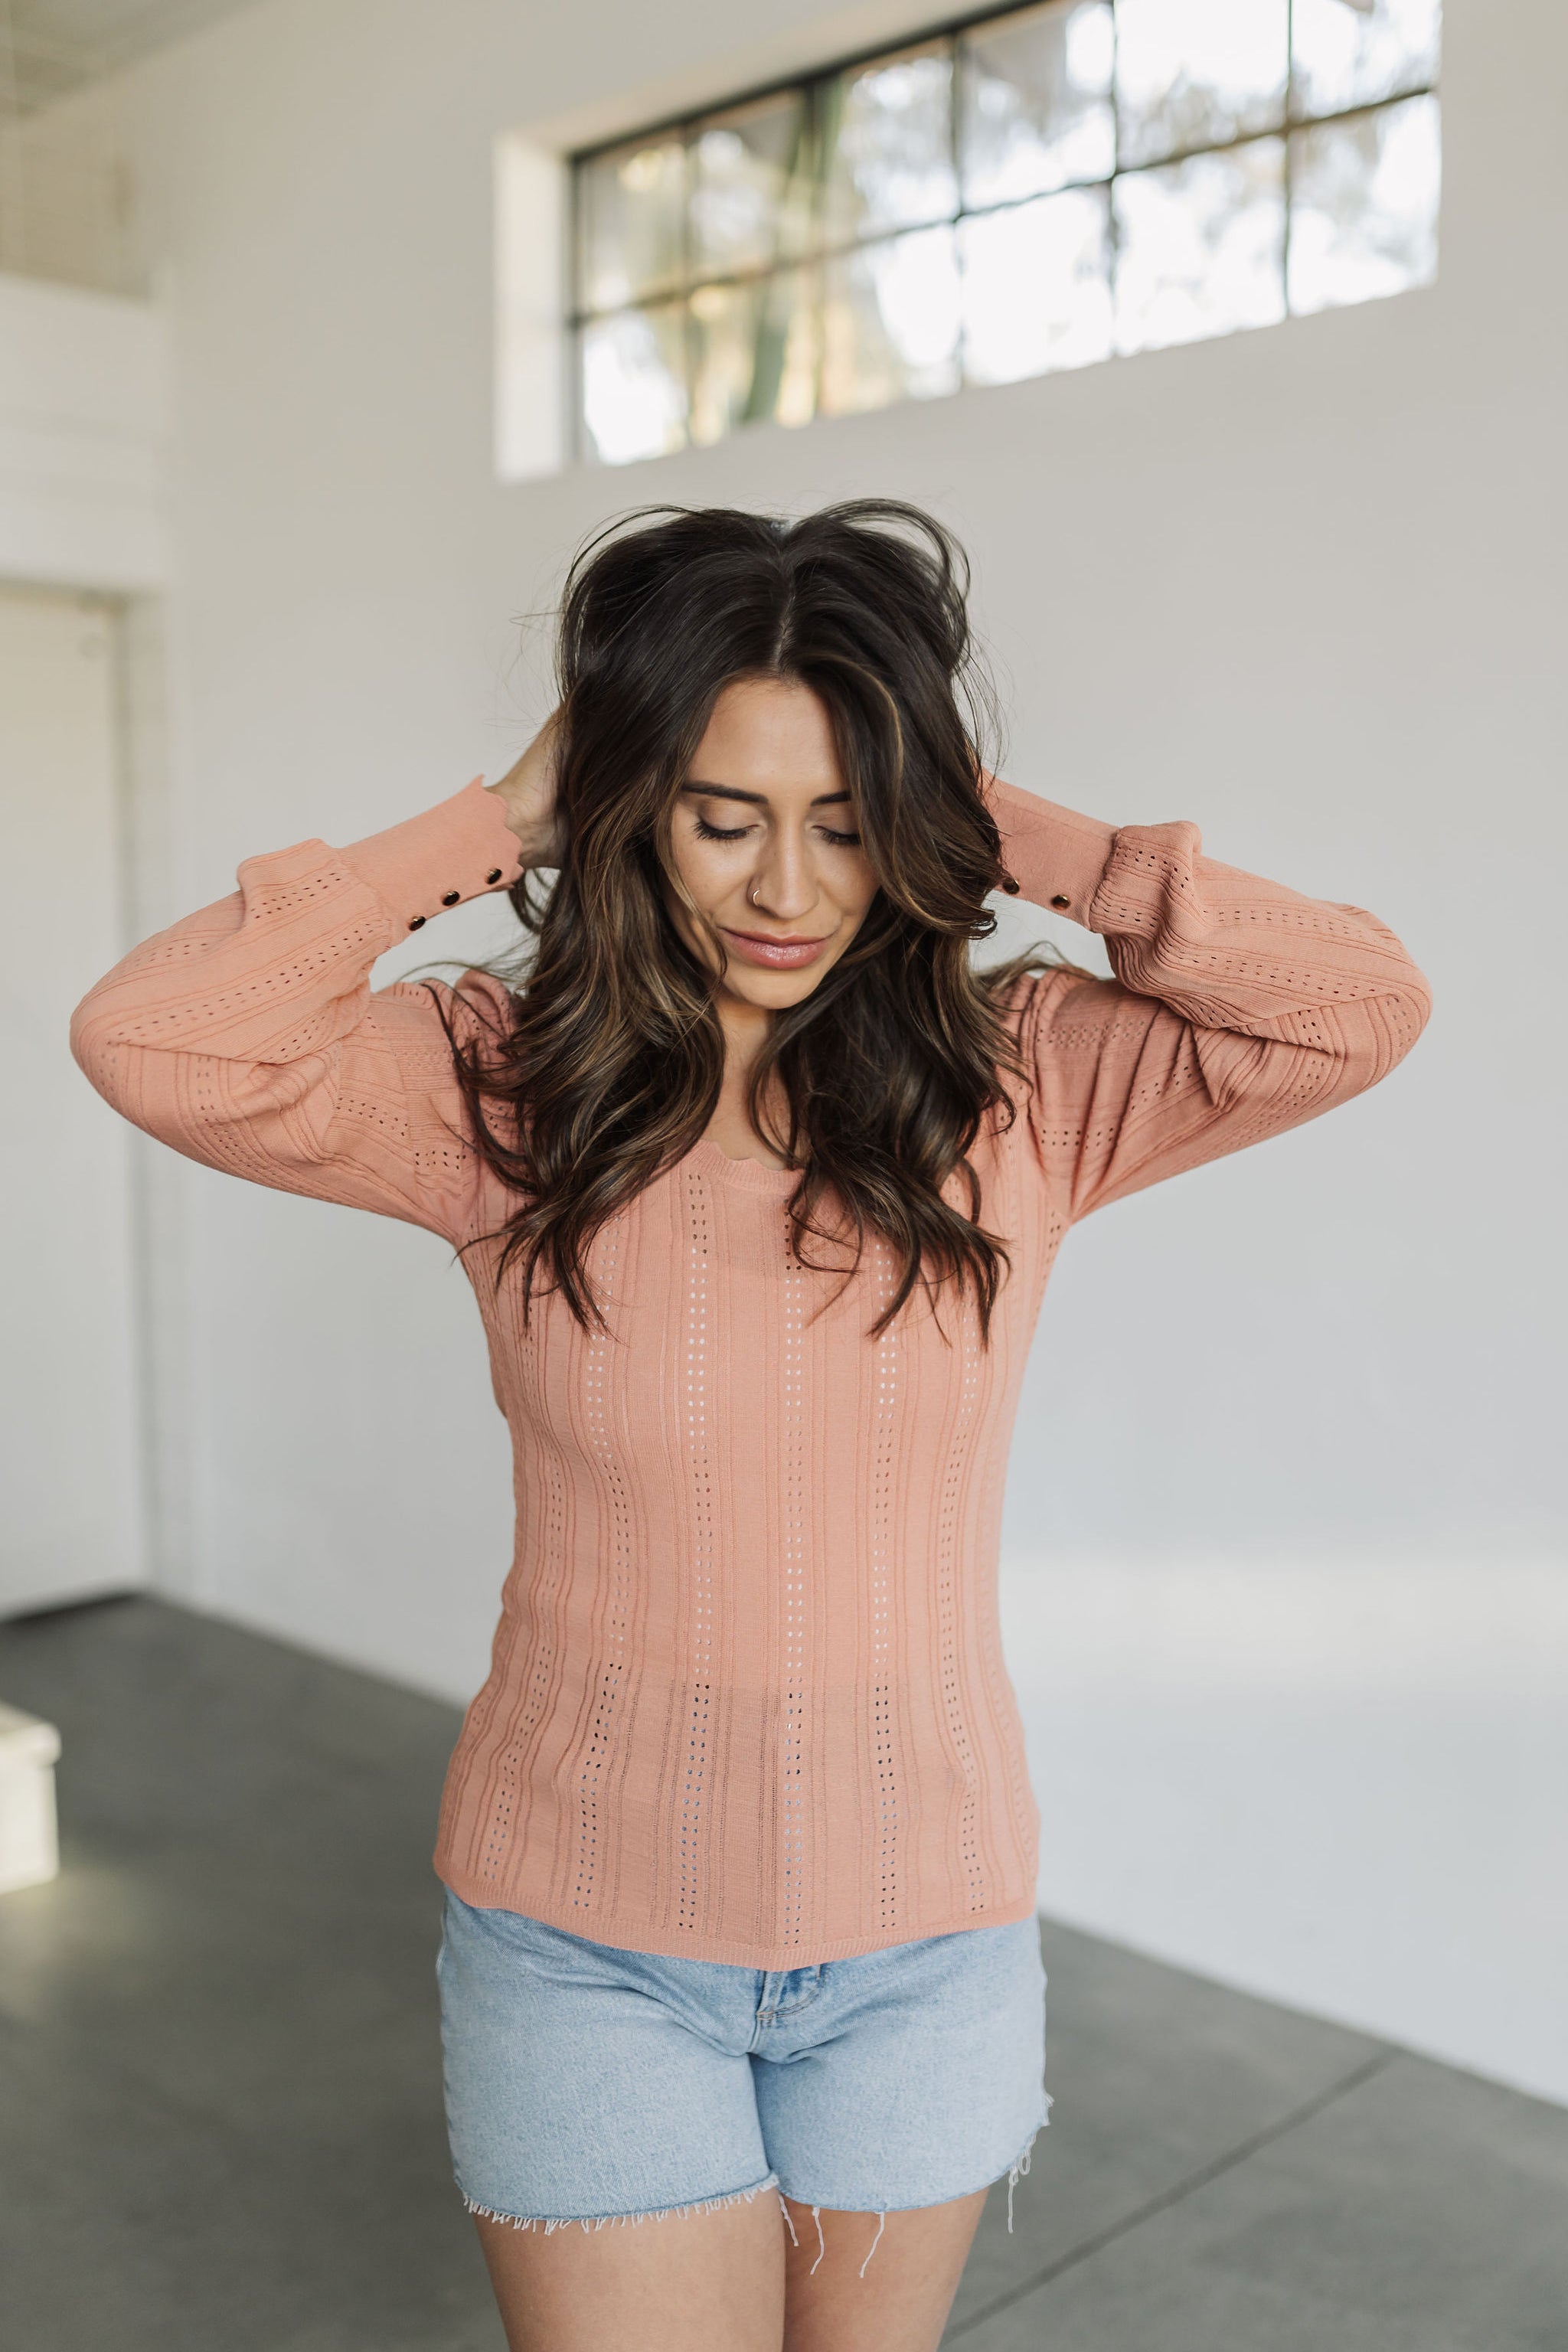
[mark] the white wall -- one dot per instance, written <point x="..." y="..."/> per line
<point x="1292" y="1422"/>
<point x="66" y="218"/>
<point x="82" y="414"/>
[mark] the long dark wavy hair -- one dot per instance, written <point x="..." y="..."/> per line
<point x="610" y="1069"/>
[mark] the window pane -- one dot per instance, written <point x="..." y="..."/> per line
<point x="751" y="187"/>
<point x="1353" y="52"/>
<point x="1193" y="73"/>
<point x="1037" y="287"/>
<point x="630" y="226"/>
<point x="1036" y="106"/>
<point x="634" y="382"/>
<point x="1200" y="247"/>
<point x="1363" y="205"/>
<point x="753" y="353"/>
<point x="888" y="138"/>
<point x="890" y="322"/>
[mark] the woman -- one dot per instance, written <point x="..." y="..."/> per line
<point x="758" y="1183"/>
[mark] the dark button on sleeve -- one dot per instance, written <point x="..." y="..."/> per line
<point x="415" y="921"/>
<point x="1061" y="901"/>
<point x="494" y="875"/>
<point x="451" y="898"/>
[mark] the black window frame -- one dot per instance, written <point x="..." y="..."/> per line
<point x="812" y="86"/>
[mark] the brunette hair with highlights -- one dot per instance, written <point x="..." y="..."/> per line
<point x="610" y="1069"/>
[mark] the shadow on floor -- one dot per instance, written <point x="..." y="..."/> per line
<point x="220" y="2116"/>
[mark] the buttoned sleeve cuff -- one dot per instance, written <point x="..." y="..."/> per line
<point x="462" y="848"/>
<point x="1057" y="855"/>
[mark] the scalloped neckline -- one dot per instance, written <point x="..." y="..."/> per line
<point x="751" y="1175"/>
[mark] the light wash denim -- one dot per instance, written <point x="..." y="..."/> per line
<point x="589" y="2084"/>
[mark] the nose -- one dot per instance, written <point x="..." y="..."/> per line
<point x="782" y="883"/>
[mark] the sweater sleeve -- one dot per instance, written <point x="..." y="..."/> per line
<point x="1240" y="1008"/>
<point x="248" y="1035"/>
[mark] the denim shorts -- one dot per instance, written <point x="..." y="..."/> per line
<point x="589" y="2084"/>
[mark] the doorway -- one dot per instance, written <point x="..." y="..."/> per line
<point x="71" y="1518"/>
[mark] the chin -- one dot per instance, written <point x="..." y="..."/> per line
<point x="775" y="991"/>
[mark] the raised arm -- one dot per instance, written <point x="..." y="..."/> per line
<point x="248" y="1035"/>
<point x="1239" y="1008"/>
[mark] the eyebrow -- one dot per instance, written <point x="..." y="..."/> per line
<point x="757" y="800"/>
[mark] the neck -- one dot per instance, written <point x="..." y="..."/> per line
<point x="745" y="1028"/>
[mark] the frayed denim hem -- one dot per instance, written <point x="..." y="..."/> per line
<point x="608" y="2221"/>
<point x="821" y="2241"/>
<point x="1015" y="2174"/>
<point x="1018" y="2171"/>
<point x="738" y="2196"/>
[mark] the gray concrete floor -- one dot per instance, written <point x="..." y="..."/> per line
<point x="220" y="2118"/>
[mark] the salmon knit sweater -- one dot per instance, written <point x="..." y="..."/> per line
<point x="747" y="1700"/>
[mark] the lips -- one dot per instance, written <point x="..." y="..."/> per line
<point x="775" y="954"/>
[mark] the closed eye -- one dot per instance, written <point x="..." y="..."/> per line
<point x="706" y="832"/>
<point x="840" y="840"/>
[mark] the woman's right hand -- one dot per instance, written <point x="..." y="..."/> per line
<point x="526" y="794"/>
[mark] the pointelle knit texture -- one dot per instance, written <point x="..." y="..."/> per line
<point x="747" y="1700"/>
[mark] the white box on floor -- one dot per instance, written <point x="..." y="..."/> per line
<point x="29" y="1848"/>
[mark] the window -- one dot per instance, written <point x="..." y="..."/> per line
<point x="1028" y="190"/>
